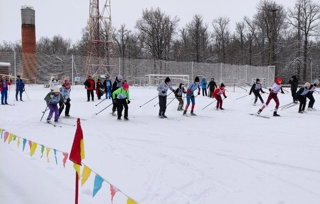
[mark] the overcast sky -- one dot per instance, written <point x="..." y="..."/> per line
<point x="68" y="17"/>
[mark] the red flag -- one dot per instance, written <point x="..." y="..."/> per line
<point x="77" y="150"/>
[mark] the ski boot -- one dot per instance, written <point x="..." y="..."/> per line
<point x="192" y="113"/>
<point x="259" y="111"/>
<point x="275" y="113"/>
<point x="184" y="112"/>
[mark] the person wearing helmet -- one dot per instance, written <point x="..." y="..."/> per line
<point x="276" y="87"/>
<point x="217" y="95"/>
<point x="121" y="98"/>
<point x="52" y="99"/>
<point x="178" y="94"/>
<point x="301" y="95"/>
<point x="256" y="88"/>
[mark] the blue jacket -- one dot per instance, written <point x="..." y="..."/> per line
<point x="203" y="83"/>
<point x="19" y="85"/>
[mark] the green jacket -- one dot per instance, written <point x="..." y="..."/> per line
<point x="120" y="93"/>
<point x="51" y="98"/>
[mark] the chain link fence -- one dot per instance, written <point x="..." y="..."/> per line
<point x="39" y="68"/>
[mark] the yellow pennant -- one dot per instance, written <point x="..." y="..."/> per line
<point x="10" y="138"/>
<point x="18" y="142"/>
<point x="48" y="150"/>
<point x="85" y="174"/>
<point x="130" y="201"/>
<point x="33" y="148"/>
<point x="77" y="168"/>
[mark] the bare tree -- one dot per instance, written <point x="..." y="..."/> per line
<point x="305" y="18"/>
<point x="221" y="35"/>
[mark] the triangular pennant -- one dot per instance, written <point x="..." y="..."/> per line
<point x="24" y="144"/>
<point x="48" y="150"/>
<point x="130" y="201"/>
<point x="85" y="174"/>
<point x="14" y="137"/>
<point x="18" y="142"/>
<point x="77" y="168"/>
<point x="6" y="134"/>
<point x="97" y="184"/>
<point x="55" y="155"/>
<point x="113" y="191"/>
<point x="65" y="157"/>
<point x="42" y="150"/>
<point x="1" y="132"/>
<point x="30" y="143"/>
<point x="33" y="149"/>
<point x="10" y="138"/>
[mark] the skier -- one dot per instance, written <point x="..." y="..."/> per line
<point x="19" y="87"/>
<point x="204" y="86"/>
<point x="65" y="93"/>
<point x="162" y="93"/>
<point x="107" y="87"/>
<point x="294" y="86"/>
<point x="301" y="95"/>
<point x="276" y="87"/>
<point x="190" y="96"/>
<point x="116" y="85"/>
<point x="212" y="86"/>
<point x="121" y="99"/>
<point x="310" y="96"/>
<point x="178" y="94"/>
<point x="217" y="95"/>
<point x="90" y="86"/>
<point x="99" y="89"/>
<point x="256" y="88"/>
<point x="52" y="99"/>
<point x="4" y="86"/>
<point x="53" y="83"/>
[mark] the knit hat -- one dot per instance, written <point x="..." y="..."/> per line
<point x="222" y="85"/>
<point x="56" y="89"/>
<point x="307" y="84"/>
<point x="278" y="80"/>
<point x="180" y="85"/>
<point x="257" y="80"/>
<point x="167" y="80"/>
<point x="125" y="86"/>
<point x="119" y="77"/>
<point x="196" y="79"/>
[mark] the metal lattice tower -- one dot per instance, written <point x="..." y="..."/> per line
<point x="100" y="50"/>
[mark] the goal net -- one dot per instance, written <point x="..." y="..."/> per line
<point x="155" y="79"/>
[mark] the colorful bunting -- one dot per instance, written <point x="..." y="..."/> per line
<point x="113" y="191"/>
<point x="48" y="150"/>
<point x="65" y="157"/>
<point x="14" y="137"/>
<point x="42" y="150"/>
<point x="130" y="201"/>
<point x="30" y="143"/>
<point x="10" y="138"/>
<point x="1" y="131"/>
<point x="85" y="174"/>
<point x="18" y="142"/>
<point x="55" y="155"/>
<point x="24" y="143"/>
<point x="6" y="134"/>
<point x="33" y="148"/>
<point x="97" y="184"/>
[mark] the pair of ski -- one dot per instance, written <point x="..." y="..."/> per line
<point x="289" y="105"/>
<point x="258" y="115"/>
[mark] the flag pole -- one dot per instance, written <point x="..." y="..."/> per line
<point x="77" y="188"/>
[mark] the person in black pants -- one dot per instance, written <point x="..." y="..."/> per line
<point x="301" y="95"/>
<point x="90" y="85"/>
<point x="294" y="86"/>
<point x="116" y="84"/>
<point x="162" y="93"/>
<point x="256" y="88"/>
<point x="212" y="86"/>
<point x="310" y="96"/>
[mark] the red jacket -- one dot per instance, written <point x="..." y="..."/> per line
<point x="218" y="92"/>
<point x="7" y="82"/>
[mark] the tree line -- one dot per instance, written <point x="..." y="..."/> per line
<point x="285" y="38"/>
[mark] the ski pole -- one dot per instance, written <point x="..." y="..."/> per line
<point x="104" y="109"/>
<point x="148" y="101"/>
<point x="27" y="95"/>
<point x="100" y="102"/>
<point x="44" y="112"/>
<point x="209" y="104"/>
<point x="242" y="88"/>
<point x="158" y="102"/>
<point x="170" y="102"/>
<point x="241" y="97"/>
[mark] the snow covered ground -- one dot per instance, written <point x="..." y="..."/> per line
<point x="223" y="157"/>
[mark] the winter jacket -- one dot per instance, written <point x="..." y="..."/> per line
<point x="116" y="84"/>
<point x="179" y="91"/>
<point x="65" y="93"/>
<point x="302" y="92"/>
<point x="294" y="83"/>
<point x="19" y="85"/>
<point x="256" y="88"/>
<point x="163" y="88"/>
<point x="276" y="88"/>
<point x="107" y="84"/>
<point x="4" y="84"/>
<point x="89" y="83"/>
<point x="218" y="92"/>
<point x="192" y="87"/>
<point x="203" y="83"/>
<point x="212" y="85"/>
<point x="51" y="98"/>
<point x="120" y="93"/>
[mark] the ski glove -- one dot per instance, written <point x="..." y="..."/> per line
<point x="192" y="96"/>
<point x="163" y="92"/>
<point x="282" y="92"/>
<point x="128" y="101"/>
<point x="225" y="97"/>
<point x="198" y="93"/>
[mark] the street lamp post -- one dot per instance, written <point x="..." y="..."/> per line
<point x="310" y="69"/>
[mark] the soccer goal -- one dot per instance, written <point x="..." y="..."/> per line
<point x="155" y="79"/>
